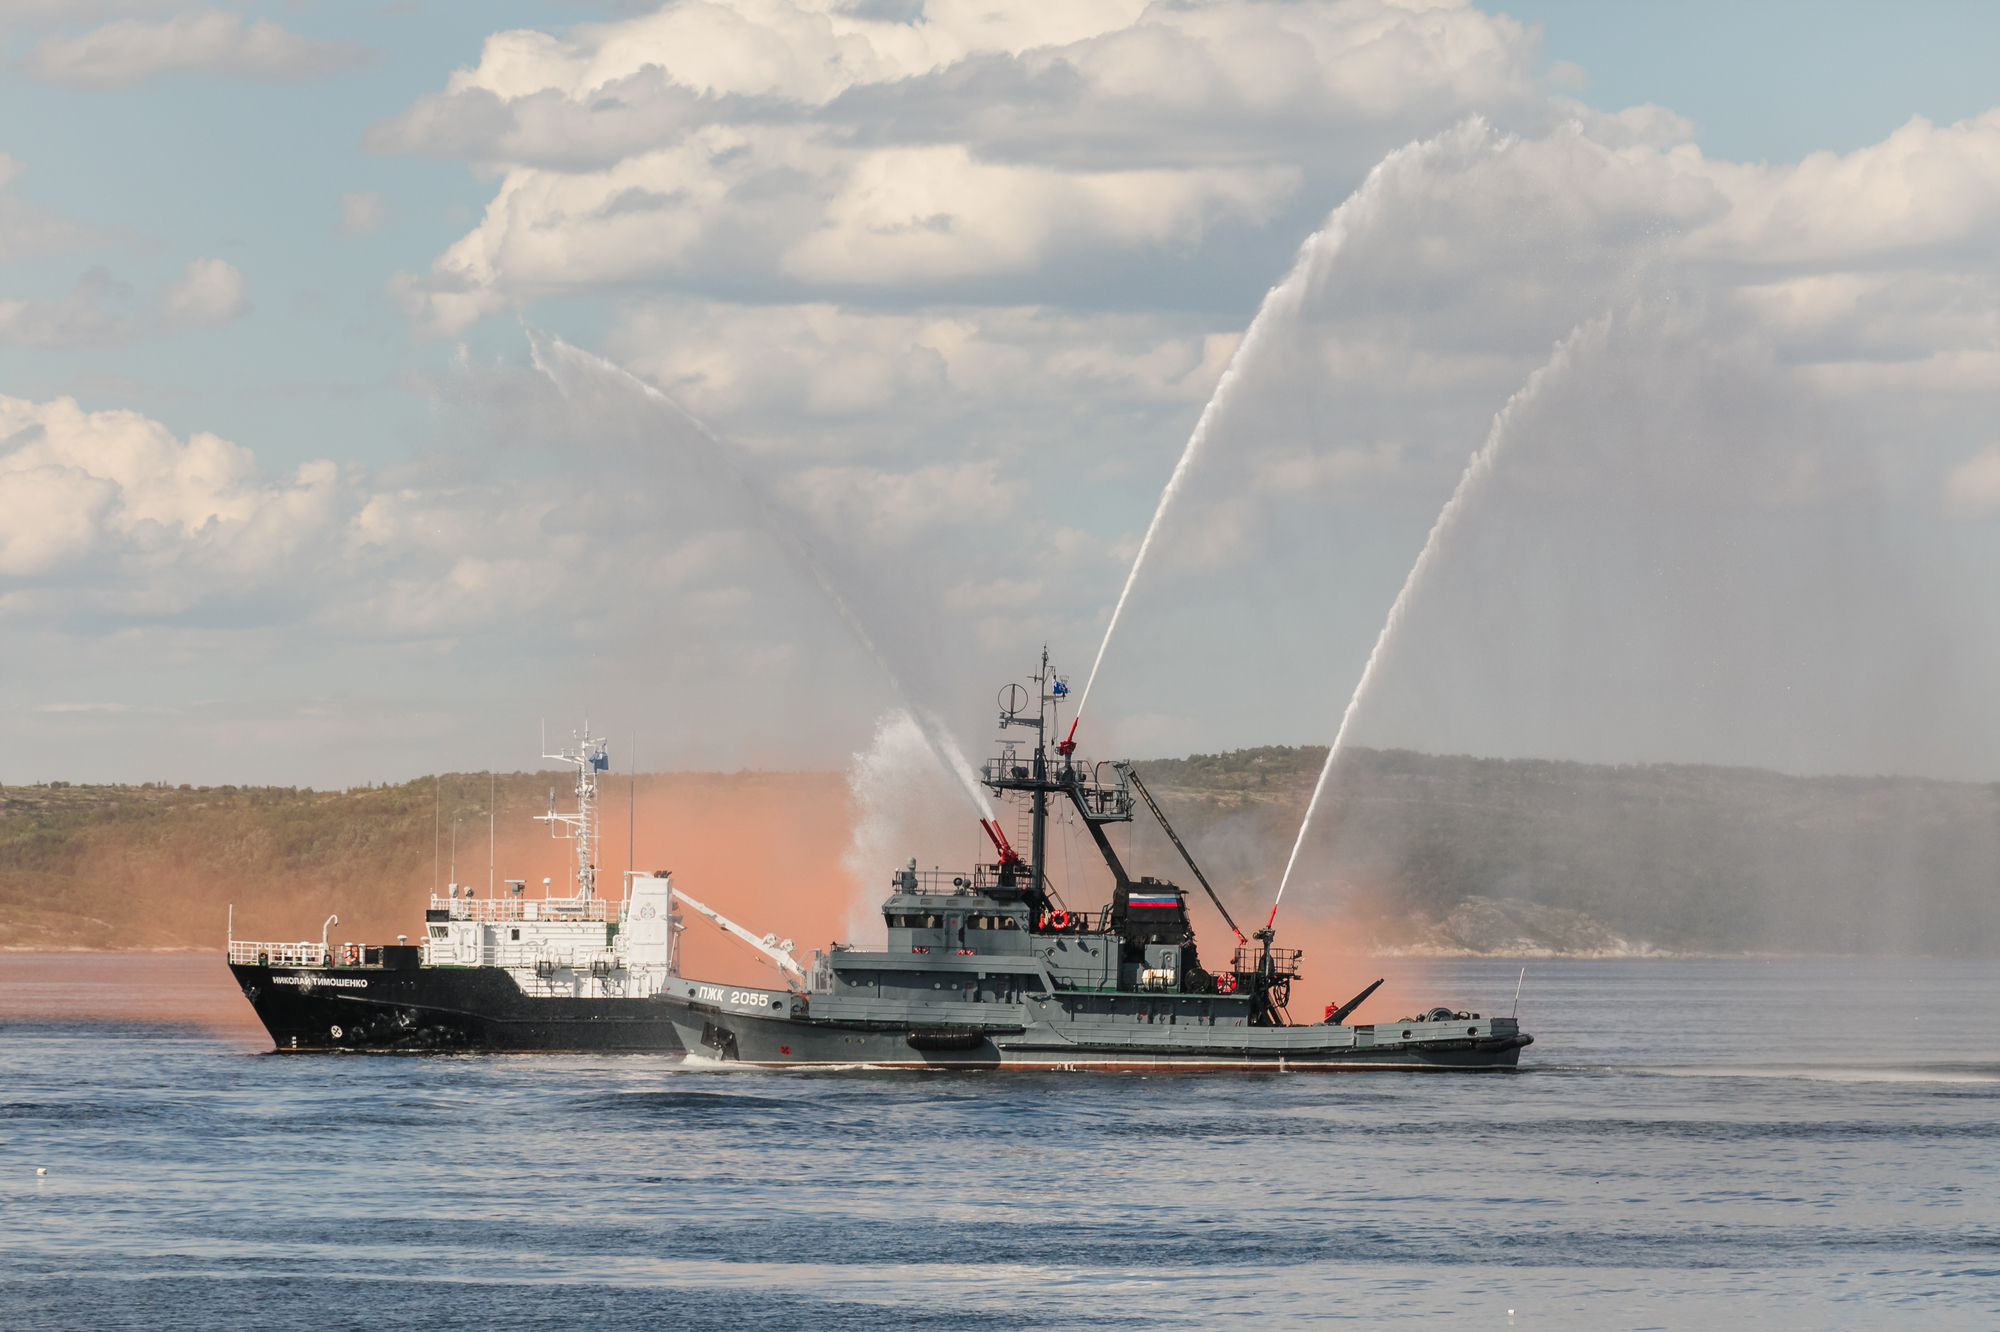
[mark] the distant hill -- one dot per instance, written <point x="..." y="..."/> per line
<point x="123" y="867"/>
<point x="1456" y="854"/>
<point x="147" y="867"/>
<point x="1421" y="853"/>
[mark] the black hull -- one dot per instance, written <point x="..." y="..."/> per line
<point x="428" y="1010"/>
<point x="727" y="1035"/>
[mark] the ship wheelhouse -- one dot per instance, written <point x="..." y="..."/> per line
<point x="1001" y="933"/>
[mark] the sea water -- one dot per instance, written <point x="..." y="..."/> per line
<point x="1689" y="1144"/>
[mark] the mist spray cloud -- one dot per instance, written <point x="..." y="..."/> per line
<point x="581" y="376"/>
<point x="1469" y="483"/>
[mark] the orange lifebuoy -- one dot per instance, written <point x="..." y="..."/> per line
<point x="1059" y="920"/>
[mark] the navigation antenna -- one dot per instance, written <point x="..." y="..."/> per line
<point x="589" y="755"/>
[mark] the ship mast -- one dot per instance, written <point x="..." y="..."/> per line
<point x="1044" y="722"/>
<point x="1043" y="777"/>
<point x="589" y="755"/>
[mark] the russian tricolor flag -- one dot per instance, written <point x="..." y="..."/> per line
<point x="1167" y="901"/>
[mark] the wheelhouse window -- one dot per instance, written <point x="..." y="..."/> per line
<point x="992" y="923"/>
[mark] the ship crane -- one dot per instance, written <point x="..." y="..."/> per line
<point x="779" y="951"/>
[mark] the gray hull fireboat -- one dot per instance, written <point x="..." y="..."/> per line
<point x="990" y="970"/>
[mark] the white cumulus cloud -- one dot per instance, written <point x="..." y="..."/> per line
<point x="804" y="147"/>
<point x="114" y="498"/>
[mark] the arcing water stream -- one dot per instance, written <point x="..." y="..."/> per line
<point x="1283" y="297"/>
<point x="1476" y="471"/>
<point x="567" y="366"/>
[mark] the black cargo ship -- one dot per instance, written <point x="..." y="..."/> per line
<point x="498" y="972"/>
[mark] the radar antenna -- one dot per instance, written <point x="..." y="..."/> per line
<point x="589" y="755"/>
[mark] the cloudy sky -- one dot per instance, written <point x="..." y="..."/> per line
<point x="378" y="382"/>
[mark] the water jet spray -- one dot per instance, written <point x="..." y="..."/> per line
<point x="560" y="361"/>
<point x="1283" y="296"/>
<point x="1476" y="470"/>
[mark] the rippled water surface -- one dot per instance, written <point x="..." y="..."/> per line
<point x="1688" y="1145"/>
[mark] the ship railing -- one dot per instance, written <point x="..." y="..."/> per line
<point x="1006" y="768"/>
<point x="547" y="961"/>
<point x="937" y="882"/>
<point x="246" y="952"/>
<point x="1284" y="963"/>
<point x="510" y="910"/>
<point x="308" y="954"/>
<point x="1104" y="801"/>
<point x="1104" y="787"/>
<point x="945" y="883"/>
<point x="988" y="876"/>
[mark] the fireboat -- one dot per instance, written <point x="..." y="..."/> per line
<point x="989" y="969"/>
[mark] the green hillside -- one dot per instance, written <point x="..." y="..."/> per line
<point x="1677" y="857"/>
<point x="1424" y="853"/>
<point x="156" y="867"/>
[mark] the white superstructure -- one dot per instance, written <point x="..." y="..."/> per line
<point x="574" y="946"/>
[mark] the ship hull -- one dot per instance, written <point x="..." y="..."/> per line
<point x="427" y="1010"/>
<point x="728" y="1034"/>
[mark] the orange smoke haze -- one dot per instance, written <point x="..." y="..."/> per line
<point x="776" y="852"/>
<point x="764" y="849"/>
<point x="192" y="988"/>
<point x="1335" y="968"/>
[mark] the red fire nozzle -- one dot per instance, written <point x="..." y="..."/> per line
<point x="1007" y="855"/>
<point x="1067" y="745"/>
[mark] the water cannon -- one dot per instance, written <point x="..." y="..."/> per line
<point x="1067" y="745"/>
<point x="1008" y="856"/>
<point x="1337" y="1015"/>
